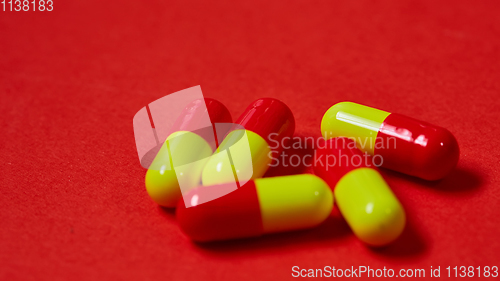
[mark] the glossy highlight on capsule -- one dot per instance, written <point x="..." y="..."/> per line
<point x="181" y="158"/>
<point x="260" y="206"/>
<point x="263" y="118"/>
<point x="406" y="145"/>
<point x="363" y="197"/>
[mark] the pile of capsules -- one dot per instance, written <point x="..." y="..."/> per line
<point x="274" y="204"/>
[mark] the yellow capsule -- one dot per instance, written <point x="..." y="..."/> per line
<point x="246" y="154"/>
<point x="365" y="200"/>
<point x="188" y="153"/>
<point x="258" y="207"/>
<point x="293" y="202"/>
<point x="243" y="155"/>
<point x="400" y="143"/>
<point x="348" y="119"/>
<point x="369" y="206"/>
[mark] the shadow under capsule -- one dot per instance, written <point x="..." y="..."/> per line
<point x="333" y="228"/>
<point x="460" y="180"/>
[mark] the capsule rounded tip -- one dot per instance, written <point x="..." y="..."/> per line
<point x="348" y="119"/>
<point x="293" y="202"/>
<point x="441" y="156"/>
<point x="322" y="199"/>
<point x="268" y="116"/>
<point x="330" y="117"/>
<point x="194" y="224"/>
<point x="163" y="187"/>
<point x="248" y="159"/>
<point x="370" y="208"/>
<point x="385" y="223"/>
<point x="217" y="170"/>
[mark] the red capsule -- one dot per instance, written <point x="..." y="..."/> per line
<point x="419" y="148"/>
<point x="260" y="206"/>
<point x="234" y="215"/>
<point x="268" y="117"/>
<point x="404" y="144"/>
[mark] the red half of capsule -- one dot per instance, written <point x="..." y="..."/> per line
<point x="266" y="116"/>
<point x="234" y="215"/>
<point x="194" y="118"/>
<point x="416" y="148"/>
<point x="336" y="157"/>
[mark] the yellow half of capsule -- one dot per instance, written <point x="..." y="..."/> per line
<point x="352" y="120"/>
<point x="162" y="181"/>
<point x="370" y="208"/>
<point x="248" y="153"/>
<point x="293" y="202"/>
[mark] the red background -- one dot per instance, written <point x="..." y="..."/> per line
<point x="73" y="202"/>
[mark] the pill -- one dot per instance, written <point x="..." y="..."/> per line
<point x="260" y="206"/>
<point x="363" y="197"/>
<point x="400" y="143"/>
<point x="181" y="158"/>
<point x="265" y="120"/>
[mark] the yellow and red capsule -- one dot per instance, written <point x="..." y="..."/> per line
<point x="363" y="197"/>
<point x="404" y="144"/>
<point x="183" y="155"/>
<point x="260" y="206"/>
<point x="245" y="154"/>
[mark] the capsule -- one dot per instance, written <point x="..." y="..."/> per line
<point x="363" y="197"/>
<point x="180" y="160"/>
<point x="265" y="120"/>
<point x="260" y="206"/>
<point x="404" y="144"/>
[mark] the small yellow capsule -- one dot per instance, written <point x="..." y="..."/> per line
<point x="365" y="200"/>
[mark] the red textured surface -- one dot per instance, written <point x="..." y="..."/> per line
<point x="73" y="202"/>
